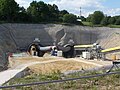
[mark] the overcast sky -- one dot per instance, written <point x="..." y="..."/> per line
<point x="109" y="7"/>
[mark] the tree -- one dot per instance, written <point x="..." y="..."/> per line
<point x="39" y="11"/>
<point x="43" y="11"/>
<point x="53" y="12"/>
<point x="63" y="12"/>
<point x="88" y="19"/>
<point x="97" y="17"/>
<point x="104" y="21"/>
<point x="69" y="18"/>
<point x="22" y="16"/>
<point x="32" y="11"/>
<point x="83" y="18"/>
<point x="117" y="21"/>
<point x="8" y="10"/>
<point x="112" y="20"/>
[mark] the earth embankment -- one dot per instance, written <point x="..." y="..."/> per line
<point x="14" y="36"/>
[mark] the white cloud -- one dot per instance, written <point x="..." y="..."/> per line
<point x="113" y="11"/>
<point x="73" y="6"/>
<point x="24" y="3"/>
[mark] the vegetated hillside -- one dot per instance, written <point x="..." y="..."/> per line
<point x="13" y="36"/>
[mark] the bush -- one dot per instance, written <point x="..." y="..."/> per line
<point x="104" y="21"/>
<point x="69" y="18"/>
<point x="112" y="20"/>
<point x="117" y="21"/>
<point x="97" y="17"/>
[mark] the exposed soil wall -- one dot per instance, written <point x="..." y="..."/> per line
<point x="13" y="36"/>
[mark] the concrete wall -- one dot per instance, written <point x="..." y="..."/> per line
<point x="13" y="36"/>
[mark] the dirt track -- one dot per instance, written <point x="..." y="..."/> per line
<point x="49" y="64"/>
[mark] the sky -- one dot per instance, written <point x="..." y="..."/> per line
<point x="108" y="7"/>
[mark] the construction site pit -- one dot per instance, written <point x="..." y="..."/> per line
<point x="18" y="37"/>
<point x="48" y="64"/>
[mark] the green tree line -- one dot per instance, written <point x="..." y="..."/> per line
<point x="37" y="12"/>
<point x="99" y="18"/>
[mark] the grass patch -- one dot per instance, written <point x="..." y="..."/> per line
<point x="90" y="24"/>
<point x="114" y="26"/>
<point x="87" y="23"/>
<point x="111" y="82"/>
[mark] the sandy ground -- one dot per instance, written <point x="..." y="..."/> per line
<point x="61" y="66"/>
<point x="47" y="64"/>
<point x="50" y="64"/>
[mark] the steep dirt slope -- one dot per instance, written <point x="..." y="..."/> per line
<point x="6" y="45"/>
<point x="13" y="36"/>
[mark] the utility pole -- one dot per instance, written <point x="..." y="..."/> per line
<point x="80" y="12"/>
